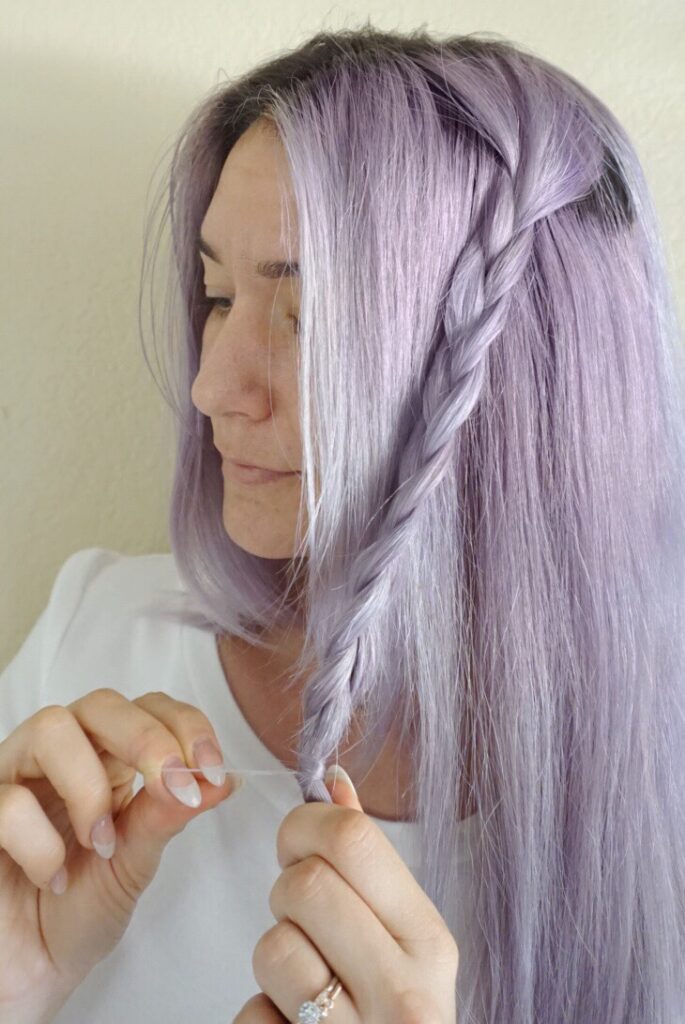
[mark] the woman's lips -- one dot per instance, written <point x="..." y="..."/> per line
<point x="250" y="474"/>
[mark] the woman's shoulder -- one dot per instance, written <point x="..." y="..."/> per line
<point x="106" y="580"/>
<point x="103" y="625"/>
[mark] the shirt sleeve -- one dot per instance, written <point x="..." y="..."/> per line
<point x="24" y="681"/>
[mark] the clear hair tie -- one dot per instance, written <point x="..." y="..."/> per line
<point x="242" y="771"/>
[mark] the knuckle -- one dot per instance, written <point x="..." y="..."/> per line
<point x="187" y="719"/>
<point x="19" y="809"/>
<point x="149" y="739"/>
<point x="257" y="1007"/>
<point x="437" y="947"/>
<point x="444" y="949"/>
<point x="306" y="879"/>
<point x="16" y="803"/>
<point x="451" y="953"/>
<point x="52" y="718"/>
<point x="273" y="948"/>
<point x="351" y="833"/>
<point x="104" y="694"/>
<point x="412" y="1007"/>
<point x="190" y="719"/>
<point x="94" y="792"/>
<point x="153" y="699"/>
<point x="289" y="829"/>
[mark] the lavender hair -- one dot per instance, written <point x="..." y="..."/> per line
<point x="492" y="403"/>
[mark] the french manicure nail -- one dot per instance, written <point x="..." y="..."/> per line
<point x="103" y="837"/>
<point x="58" y="883"/>
<point x="334" y="772"/>
<point x="182" y="786"/>
<point x="210" y="759"/>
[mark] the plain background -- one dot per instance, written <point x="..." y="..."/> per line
<point x="92" y="94"/>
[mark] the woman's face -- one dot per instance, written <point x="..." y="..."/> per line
<point x="247" y="382"/>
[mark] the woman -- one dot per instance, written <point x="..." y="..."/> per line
<point x="465" y="365"/>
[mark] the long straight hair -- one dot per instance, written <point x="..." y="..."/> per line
<point x="492" y="410"/>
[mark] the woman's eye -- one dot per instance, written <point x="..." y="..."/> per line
<point x="212" y="302"/>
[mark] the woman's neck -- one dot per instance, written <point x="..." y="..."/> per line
<point x="257" y="679"/>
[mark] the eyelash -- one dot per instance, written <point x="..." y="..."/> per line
<point x="212" y="301"/>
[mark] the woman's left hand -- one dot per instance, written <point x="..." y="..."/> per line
<point x="346" y="904"/>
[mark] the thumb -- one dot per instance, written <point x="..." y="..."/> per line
<point x="339" y="785"/>
<point x="148" y="821"/>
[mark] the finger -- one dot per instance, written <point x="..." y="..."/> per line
<point x="51" y="745"/>
<point x="28" y="836"/>
<point x="313" y="896"/>
<point x="147" y="733"/>
<point x="118" y="772"/>
<point x="199" y="742"/>
<point x="365" y="858"/>
<point x="259" y="1010"/>
<point x="341" y="788"/>
<point x="60" y="744"/>
<point x="290" y="970"/>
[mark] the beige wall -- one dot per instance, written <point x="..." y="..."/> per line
<point x="91" y="95"/>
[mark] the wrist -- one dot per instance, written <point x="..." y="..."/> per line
<point x="34" y="1010"/>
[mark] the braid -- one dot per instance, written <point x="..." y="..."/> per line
<point x="491" y="264"/>
<point x="476" y="312"/>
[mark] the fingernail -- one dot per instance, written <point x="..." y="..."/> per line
<point x="103" y="837"/>
<point x="181" y="785"/>
<point x="336" y="772"/>
<point x="209" y="758"/>
<point x="58" y="883"/>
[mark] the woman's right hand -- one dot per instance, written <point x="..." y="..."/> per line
<point x="61" y="771"/>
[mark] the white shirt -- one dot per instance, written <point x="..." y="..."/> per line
<point x="187" y="952"/>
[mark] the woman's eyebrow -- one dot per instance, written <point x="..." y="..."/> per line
<point x="273" y="270"/>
